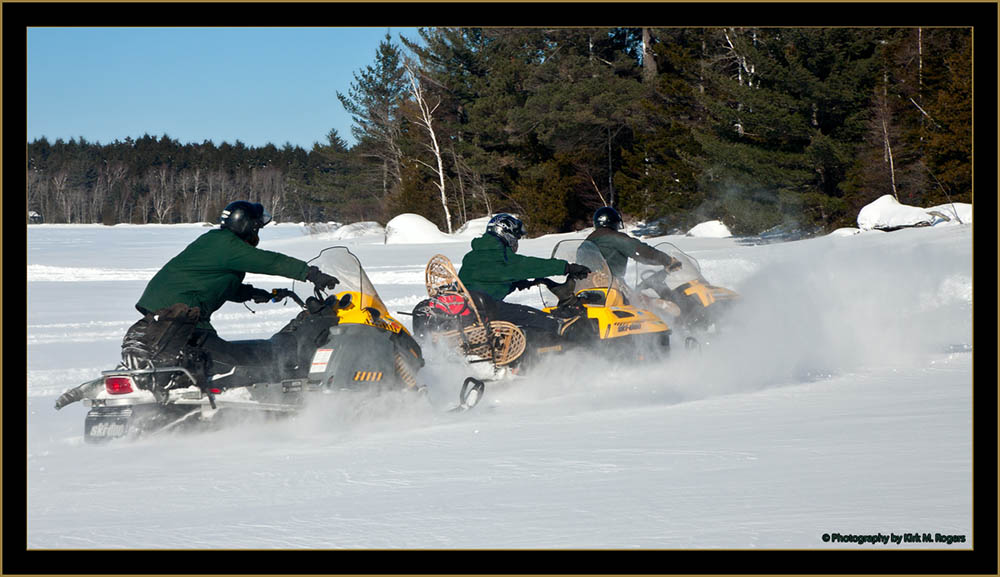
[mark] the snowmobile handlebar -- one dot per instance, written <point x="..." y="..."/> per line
<point x="653" y="280"/>
<point x="281" y="294"/>
<point x="564" y="291"/>
<point x="526" y="284"/>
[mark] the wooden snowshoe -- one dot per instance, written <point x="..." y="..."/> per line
<point x="499" y="342"/>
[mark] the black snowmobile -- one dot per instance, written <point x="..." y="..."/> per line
<point x="343" y="342"/>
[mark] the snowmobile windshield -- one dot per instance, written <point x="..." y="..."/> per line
<point x="341" y="263"/>
<point x="688" y="272"/>
<point x="586" y="253"/>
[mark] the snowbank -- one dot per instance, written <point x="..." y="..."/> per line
<point x="410" y="228"/>
<point x="886" y="213"/>
<point x="955" y="212"/>
<point x="358" y="230"/>
<point x="710" y="229"/>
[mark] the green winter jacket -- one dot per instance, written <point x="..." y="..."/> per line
<point x="491" y="267"/>
<point x="618" y="247"/>
<point x="210" y="271"/>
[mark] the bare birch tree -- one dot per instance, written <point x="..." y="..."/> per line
<point x="883" y="119"/>
<point x="161" y="194"/>
<point x="745" y="70"/>
<point x="426" y="120"/>
<point x="59" y="183"/>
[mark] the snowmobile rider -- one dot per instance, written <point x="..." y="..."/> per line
<point x="206" y="274"/>
<point x="493" y="269"/>
<point x="617" y="247"/>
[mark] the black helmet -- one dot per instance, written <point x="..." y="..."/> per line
<point x="245" y="219"/>
<point x="507" y="228"/>
<point x="607" y="217"/>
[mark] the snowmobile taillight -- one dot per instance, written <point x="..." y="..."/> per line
<point x="215" y="391"/>
<point x="118" y="385"/>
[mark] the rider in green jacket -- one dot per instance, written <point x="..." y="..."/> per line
<point x="202" y="277"/>
<point x="493" y="269"/>
<point x="493" y="266"/>
<point x="210" y="271"/>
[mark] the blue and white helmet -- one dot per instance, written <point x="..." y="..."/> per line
<point x="507" y="228"/>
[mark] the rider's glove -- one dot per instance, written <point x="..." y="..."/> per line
<point x="321" y="279"/>
<point x="522" y="284"/>
<point x="248" y="292"/>
<point x="260" y="295"/>
<point x="576" y="271"/>
<point x="674" y="265"/>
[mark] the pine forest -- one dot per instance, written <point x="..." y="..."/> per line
<point x="758" y="127"/>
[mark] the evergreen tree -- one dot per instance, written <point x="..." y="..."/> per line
<point x="478" y="76"/>
<point x="918" y="143"/>
<point x="373" y="102"/>
<point x="947" y="114"/>
<point x="657" y="180"/>
<point x="783" y="119"/>
<point x="584" y="96"/>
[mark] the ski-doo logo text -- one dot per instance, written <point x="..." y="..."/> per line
<point x="625" y="327"/>
<point x="107" y="429"/>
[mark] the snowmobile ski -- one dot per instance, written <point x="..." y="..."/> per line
<point x="469" y="396"/>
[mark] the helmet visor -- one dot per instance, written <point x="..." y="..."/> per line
<point x="265" y="216"/>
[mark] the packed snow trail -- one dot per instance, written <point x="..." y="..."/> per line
<point x="837" y="402"/>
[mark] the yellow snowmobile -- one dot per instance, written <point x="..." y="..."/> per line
<point x="683" y="296"/>
<point x="593" y="313"/>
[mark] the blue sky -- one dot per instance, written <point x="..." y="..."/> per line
<point x="256" y="85"/>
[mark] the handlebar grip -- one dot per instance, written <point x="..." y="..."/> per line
<point x="281" y="293"/>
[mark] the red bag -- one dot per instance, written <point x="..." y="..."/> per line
<point x="452" y="304"/>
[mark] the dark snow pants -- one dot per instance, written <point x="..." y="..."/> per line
<point x="523" y="316"/>
<point x="159" y="338"/>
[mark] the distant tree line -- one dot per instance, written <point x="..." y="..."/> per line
<point x="758" y="127"/>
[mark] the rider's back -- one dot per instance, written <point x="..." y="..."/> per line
<point x="617" y="247"/>
<point x="491" y="267"/>
<point x="210" y="271"/>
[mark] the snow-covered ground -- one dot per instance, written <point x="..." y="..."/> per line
<point x="837" y="407"/>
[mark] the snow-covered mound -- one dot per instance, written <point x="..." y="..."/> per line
<point x="886" y="213"/>
<point x="474" y="228"/>
<point x="411" y="228"/>
<point x="710" y="229"/>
